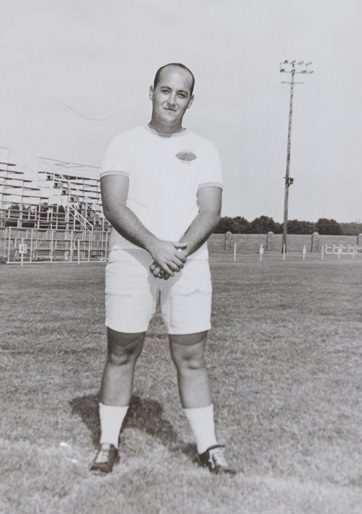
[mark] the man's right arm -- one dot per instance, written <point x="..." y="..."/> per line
<point x="114" y="189"/>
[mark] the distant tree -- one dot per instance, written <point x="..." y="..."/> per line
<point x="278" y="228"/>
<point x="294" y="227"/>
<point x="328" y="226"/>
<point x="226" y="224"/>
<point x="263" y="225"/>
<point x="237" y="225"/>
<point x="351" y="229"/>
<point x="300" y="227"/>
<point x="242" y="226"/>
<point x="307" y="227"/>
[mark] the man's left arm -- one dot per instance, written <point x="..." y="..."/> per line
<point x="209" y="200"/>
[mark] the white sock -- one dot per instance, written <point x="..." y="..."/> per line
<point x="202" y="425"/>
<point x="111" y="417"/>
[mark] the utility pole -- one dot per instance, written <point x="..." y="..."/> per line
<point x="292" y="67"/>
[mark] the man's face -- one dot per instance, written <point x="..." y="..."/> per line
<point x="172" y="95"/>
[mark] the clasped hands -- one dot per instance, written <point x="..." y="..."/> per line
<point x="169" y="258"/>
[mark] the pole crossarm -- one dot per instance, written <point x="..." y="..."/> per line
<point x="293" y="67"/>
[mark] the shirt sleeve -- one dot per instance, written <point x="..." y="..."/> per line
<point x="116" y="160"/>
<point x="211" y="172"/>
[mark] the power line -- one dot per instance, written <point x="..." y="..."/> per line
<point x="89" y="118"/>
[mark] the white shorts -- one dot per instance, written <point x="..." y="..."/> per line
<point x="132" y="294"/>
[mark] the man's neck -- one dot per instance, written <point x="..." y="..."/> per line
<point x="165" y="130"/>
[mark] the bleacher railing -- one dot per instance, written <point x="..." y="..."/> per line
<point x="21" y="245"/>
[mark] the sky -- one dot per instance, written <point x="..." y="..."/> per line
<point x="77" y="72"/>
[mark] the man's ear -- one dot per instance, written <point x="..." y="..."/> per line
<point x="190" y="101"/>
<point x="151" y="91"/>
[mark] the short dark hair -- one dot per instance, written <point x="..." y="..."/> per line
<point x="180" y="65"/>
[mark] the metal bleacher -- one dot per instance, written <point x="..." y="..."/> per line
<point x="57" y="216"/>
<point x="76" y="188"/>
<point x="20" y="198"/>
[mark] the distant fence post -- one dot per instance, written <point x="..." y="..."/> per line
<point x="314" y="243"/>
<point x="261" y="252"/>
<point x="228" y="239"/>
<point x="269" y="241"/>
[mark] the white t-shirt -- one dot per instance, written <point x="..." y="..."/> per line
<point x="165" y="173"/>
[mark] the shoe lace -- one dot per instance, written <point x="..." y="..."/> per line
<point x="103" y="454"/>
<point x="217" y="458"/>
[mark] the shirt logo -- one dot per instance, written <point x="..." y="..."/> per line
<point x="186" y="156"/>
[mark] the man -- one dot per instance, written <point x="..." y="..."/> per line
<point x="161" y="191"/>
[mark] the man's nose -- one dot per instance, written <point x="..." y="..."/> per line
<point x="172" y="98"/>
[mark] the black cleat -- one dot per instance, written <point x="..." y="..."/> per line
<point x="106" y="457"/>
<point x="214" y="460"/>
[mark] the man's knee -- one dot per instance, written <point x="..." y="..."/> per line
<point x="188" y="350"/>
<point x="124" y="348"/>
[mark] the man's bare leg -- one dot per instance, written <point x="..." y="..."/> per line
<point x="188" y="355"/>
<point x="117" y="380"/>
<point x="116" y="390"/>
<point x="187" y="351"/>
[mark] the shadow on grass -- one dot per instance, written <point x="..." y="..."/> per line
<point x="143" y="413"/>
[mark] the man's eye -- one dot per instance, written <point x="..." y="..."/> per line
<point x="182" y="95"/>
<point x="165" y="91"/>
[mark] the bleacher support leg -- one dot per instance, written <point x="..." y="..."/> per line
<point x="51" y="245"/>
<point x="9" y="243"/>
<point x="89" y="246"/>
<point x="5" y="239"/>
<point x="71" y="247"/>
<point x="31" y="245"/>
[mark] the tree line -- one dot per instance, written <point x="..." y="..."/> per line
<point x="265" y="224"/>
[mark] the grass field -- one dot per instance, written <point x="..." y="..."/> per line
<point x="285" y="362"/>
